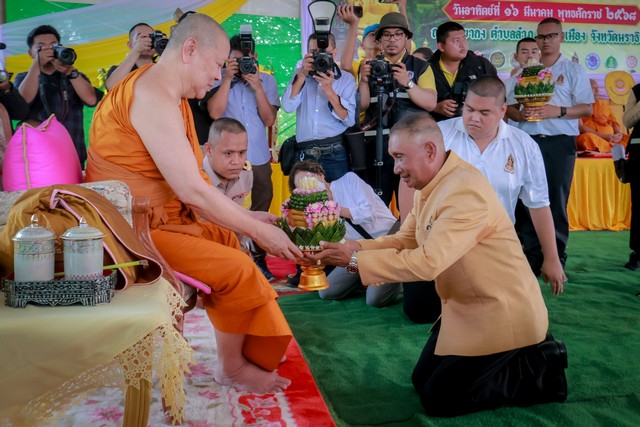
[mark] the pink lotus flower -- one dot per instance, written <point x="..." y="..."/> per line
<point x="321" y="211"/>
<point x="545" y="75"/>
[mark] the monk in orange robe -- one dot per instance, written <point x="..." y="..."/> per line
<point x="143" y="134"/>
<point x="601" y="130"/>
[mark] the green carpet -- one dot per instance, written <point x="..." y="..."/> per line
<point x="362" y="357"/>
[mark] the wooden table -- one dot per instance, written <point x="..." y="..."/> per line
<point x="49" y="355"/>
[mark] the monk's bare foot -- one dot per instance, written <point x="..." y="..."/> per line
<point x="252" y="378"/>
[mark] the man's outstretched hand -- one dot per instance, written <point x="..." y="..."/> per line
<point x="334" y="253"/>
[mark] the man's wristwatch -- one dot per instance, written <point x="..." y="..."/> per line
<point x="352" y="267"/>
<point x="563" y="112"/>
<point x="73" y="75"/>
<point x="409" y="85"/>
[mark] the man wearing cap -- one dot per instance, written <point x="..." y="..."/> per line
<point x="453" y="67"/>
<point x="412" y="93"/>
<point x="370" y="46"/>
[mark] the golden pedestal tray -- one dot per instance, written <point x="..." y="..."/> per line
<point x="313" y="277"/>
<point x="534" y="101"/>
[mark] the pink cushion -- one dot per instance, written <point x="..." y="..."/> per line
<point x="37" y="157"/>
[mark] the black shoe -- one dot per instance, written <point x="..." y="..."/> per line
<point x="554" y="379"/>
<point x="262" y="265"/>
<point x="634" y="262"/>
<point x="555" y="352"/>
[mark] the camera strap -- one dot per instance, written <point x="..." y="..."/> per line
<point x="359" y="229"/>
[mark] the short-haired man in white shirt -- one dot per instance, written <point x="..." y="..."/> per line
<point x="555" y="134"/>
<point x="511" y="161"/>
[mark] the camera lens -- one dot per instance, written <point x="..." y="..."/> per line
<point x="66" y="55"/>
<point x="160" y="45"/>
<point x="247" y="65"/>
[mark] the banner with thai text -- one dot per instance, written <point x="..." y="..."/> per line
<point x="602" y="36"/>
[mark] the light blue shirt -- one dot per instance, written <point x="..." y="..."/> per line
<point x="315" y="118"/>
<point x="572" y="88"/>
<point x="243" y="106"/>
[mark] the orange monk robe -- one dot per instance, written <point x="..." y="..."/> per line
<point x="602" y="120"/>
<point x="242" y="301"/>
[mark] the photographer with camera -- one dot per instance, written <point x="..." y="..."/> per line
<point x="399" y="79"/>
<point x="17" y="108"/>
<point x="142" y="52"/>
<point x="453" y="68"/>
<point x="351" y="15"/>
<point x="54" y="86"/>
<point x="242" y="91"/>
<point x="324" y="99"/>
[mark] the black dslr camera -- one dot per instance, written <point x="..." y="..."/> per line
<point x="322" y="13"/>
<point x="322" y="61"/>
<point x="159" y="41"/>
<point x="459" y="92"/>
<point x="247" y="64"/>
<point x="382" y="72"/>
<point x="66" y="55"/>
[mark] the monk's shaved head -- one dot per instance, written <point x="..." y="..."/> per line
<point x="204" y="29"/>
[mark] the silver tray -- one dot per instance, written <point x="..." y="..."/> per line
<point x="59" y="292"/>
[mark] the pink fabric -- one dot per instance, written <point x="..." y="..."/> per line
<point x="42" y="156"/>
<point x="192" y="282"/>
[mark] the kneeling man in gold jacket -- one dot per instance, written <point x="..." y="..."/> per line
<point x="490" y="347"/>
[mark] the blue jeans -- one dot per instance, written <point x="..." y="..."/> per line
<point x="335" y="163"/>
<point x="342" y="283"/>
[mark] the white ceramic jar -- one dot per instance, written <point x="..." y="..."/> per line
<point x="34" y="253"/>
<point x="83" y="252"/>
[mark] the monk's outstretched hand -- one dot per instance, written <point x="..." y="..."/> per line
<point x="266" y="217"/>
<point x="277" y="243"/>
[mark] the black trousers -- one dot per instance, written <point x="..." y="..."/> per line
<point x="421" y="302"/>
<point x="455" y="385"/>
<point x="389" y="181"/>
<point x="559" y="155"/>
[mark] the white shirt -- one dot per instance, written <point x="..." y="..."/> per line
<point x="572" y="88"/>
<point x="512" y="163"/>
<point x="367" y="209"/>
